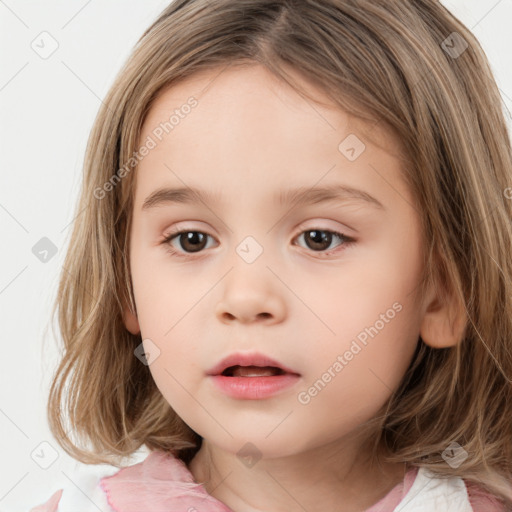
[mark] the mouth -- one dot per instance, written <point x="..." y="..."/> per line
<point x="253" y="376"/>
<point x="253" y="364"/>
<point x="252" y="371"/>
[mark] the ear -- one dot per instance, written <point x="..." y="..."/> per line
<point x="444" y="318"/>
<point x="130" y="320"/>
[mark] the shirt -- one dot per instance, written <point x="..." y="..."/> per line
<point x="163" y="483"/>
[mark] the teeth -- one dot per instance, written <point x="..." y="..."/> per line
<point x="255" y="371"/>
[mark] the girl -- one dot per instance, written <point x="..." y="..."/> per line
<point x="266" y="369"/>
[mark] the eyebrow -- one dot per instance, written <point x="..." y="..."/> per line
<point x="300" y="196"/>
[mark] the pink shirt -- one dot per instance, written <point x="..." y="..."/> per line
<point x="163" y="483"/>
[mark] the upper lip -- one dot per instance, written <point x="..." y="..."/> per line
<point x="247" y="359"/>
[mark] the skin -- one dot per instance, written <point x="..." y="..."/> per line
<point x="249" y="136"/>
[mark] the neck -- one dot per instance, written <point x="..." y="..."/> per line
<point x="332" y="477"/>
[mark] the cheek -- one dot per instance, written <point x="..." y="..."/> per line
<point x="177" y="372"/>
<point x="165" y="293"/>
<point x="380" y="275"/>
<point x="354" y="374"/>
<point x="167" y="308"/>
<point x="370" y="315"/>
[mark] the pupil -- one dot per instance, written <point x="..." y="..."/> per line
<point x="193" y="237"/>
<point x="319" y="238"/>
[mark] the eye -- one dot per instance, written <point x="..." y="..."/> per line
<point x="192" y="241"/>
<point x="320" y="239"/>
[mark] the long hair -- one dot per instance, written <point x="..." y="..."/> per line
<point x="406" y="66"/>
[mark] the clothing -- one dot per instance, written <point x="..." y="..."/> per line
<point x="163" y="483"/>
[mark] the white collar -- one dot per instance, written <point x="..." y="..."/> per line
<point x="430" y="493"/>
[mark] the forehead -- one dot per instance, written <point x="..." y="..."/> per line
<point x="243" y="119"/>
<point x="255" y="87"/>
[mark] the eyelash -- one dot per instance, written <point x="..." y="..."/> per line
<point x="347" y="241"/>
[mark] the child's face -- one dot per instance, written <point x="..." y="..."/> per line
<point x="347" y="320"/>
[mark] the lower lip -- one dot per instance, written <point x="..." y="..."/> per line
<point x="254" y="388"/>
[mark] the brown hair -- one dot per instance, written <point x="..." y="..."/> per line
<point x="386" y="62"/>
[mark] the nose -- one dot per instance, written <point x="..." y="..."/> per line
<point x="251" y="293"/>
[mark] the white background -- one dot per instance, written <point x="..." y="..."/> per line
<point x="47" y="107"/>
